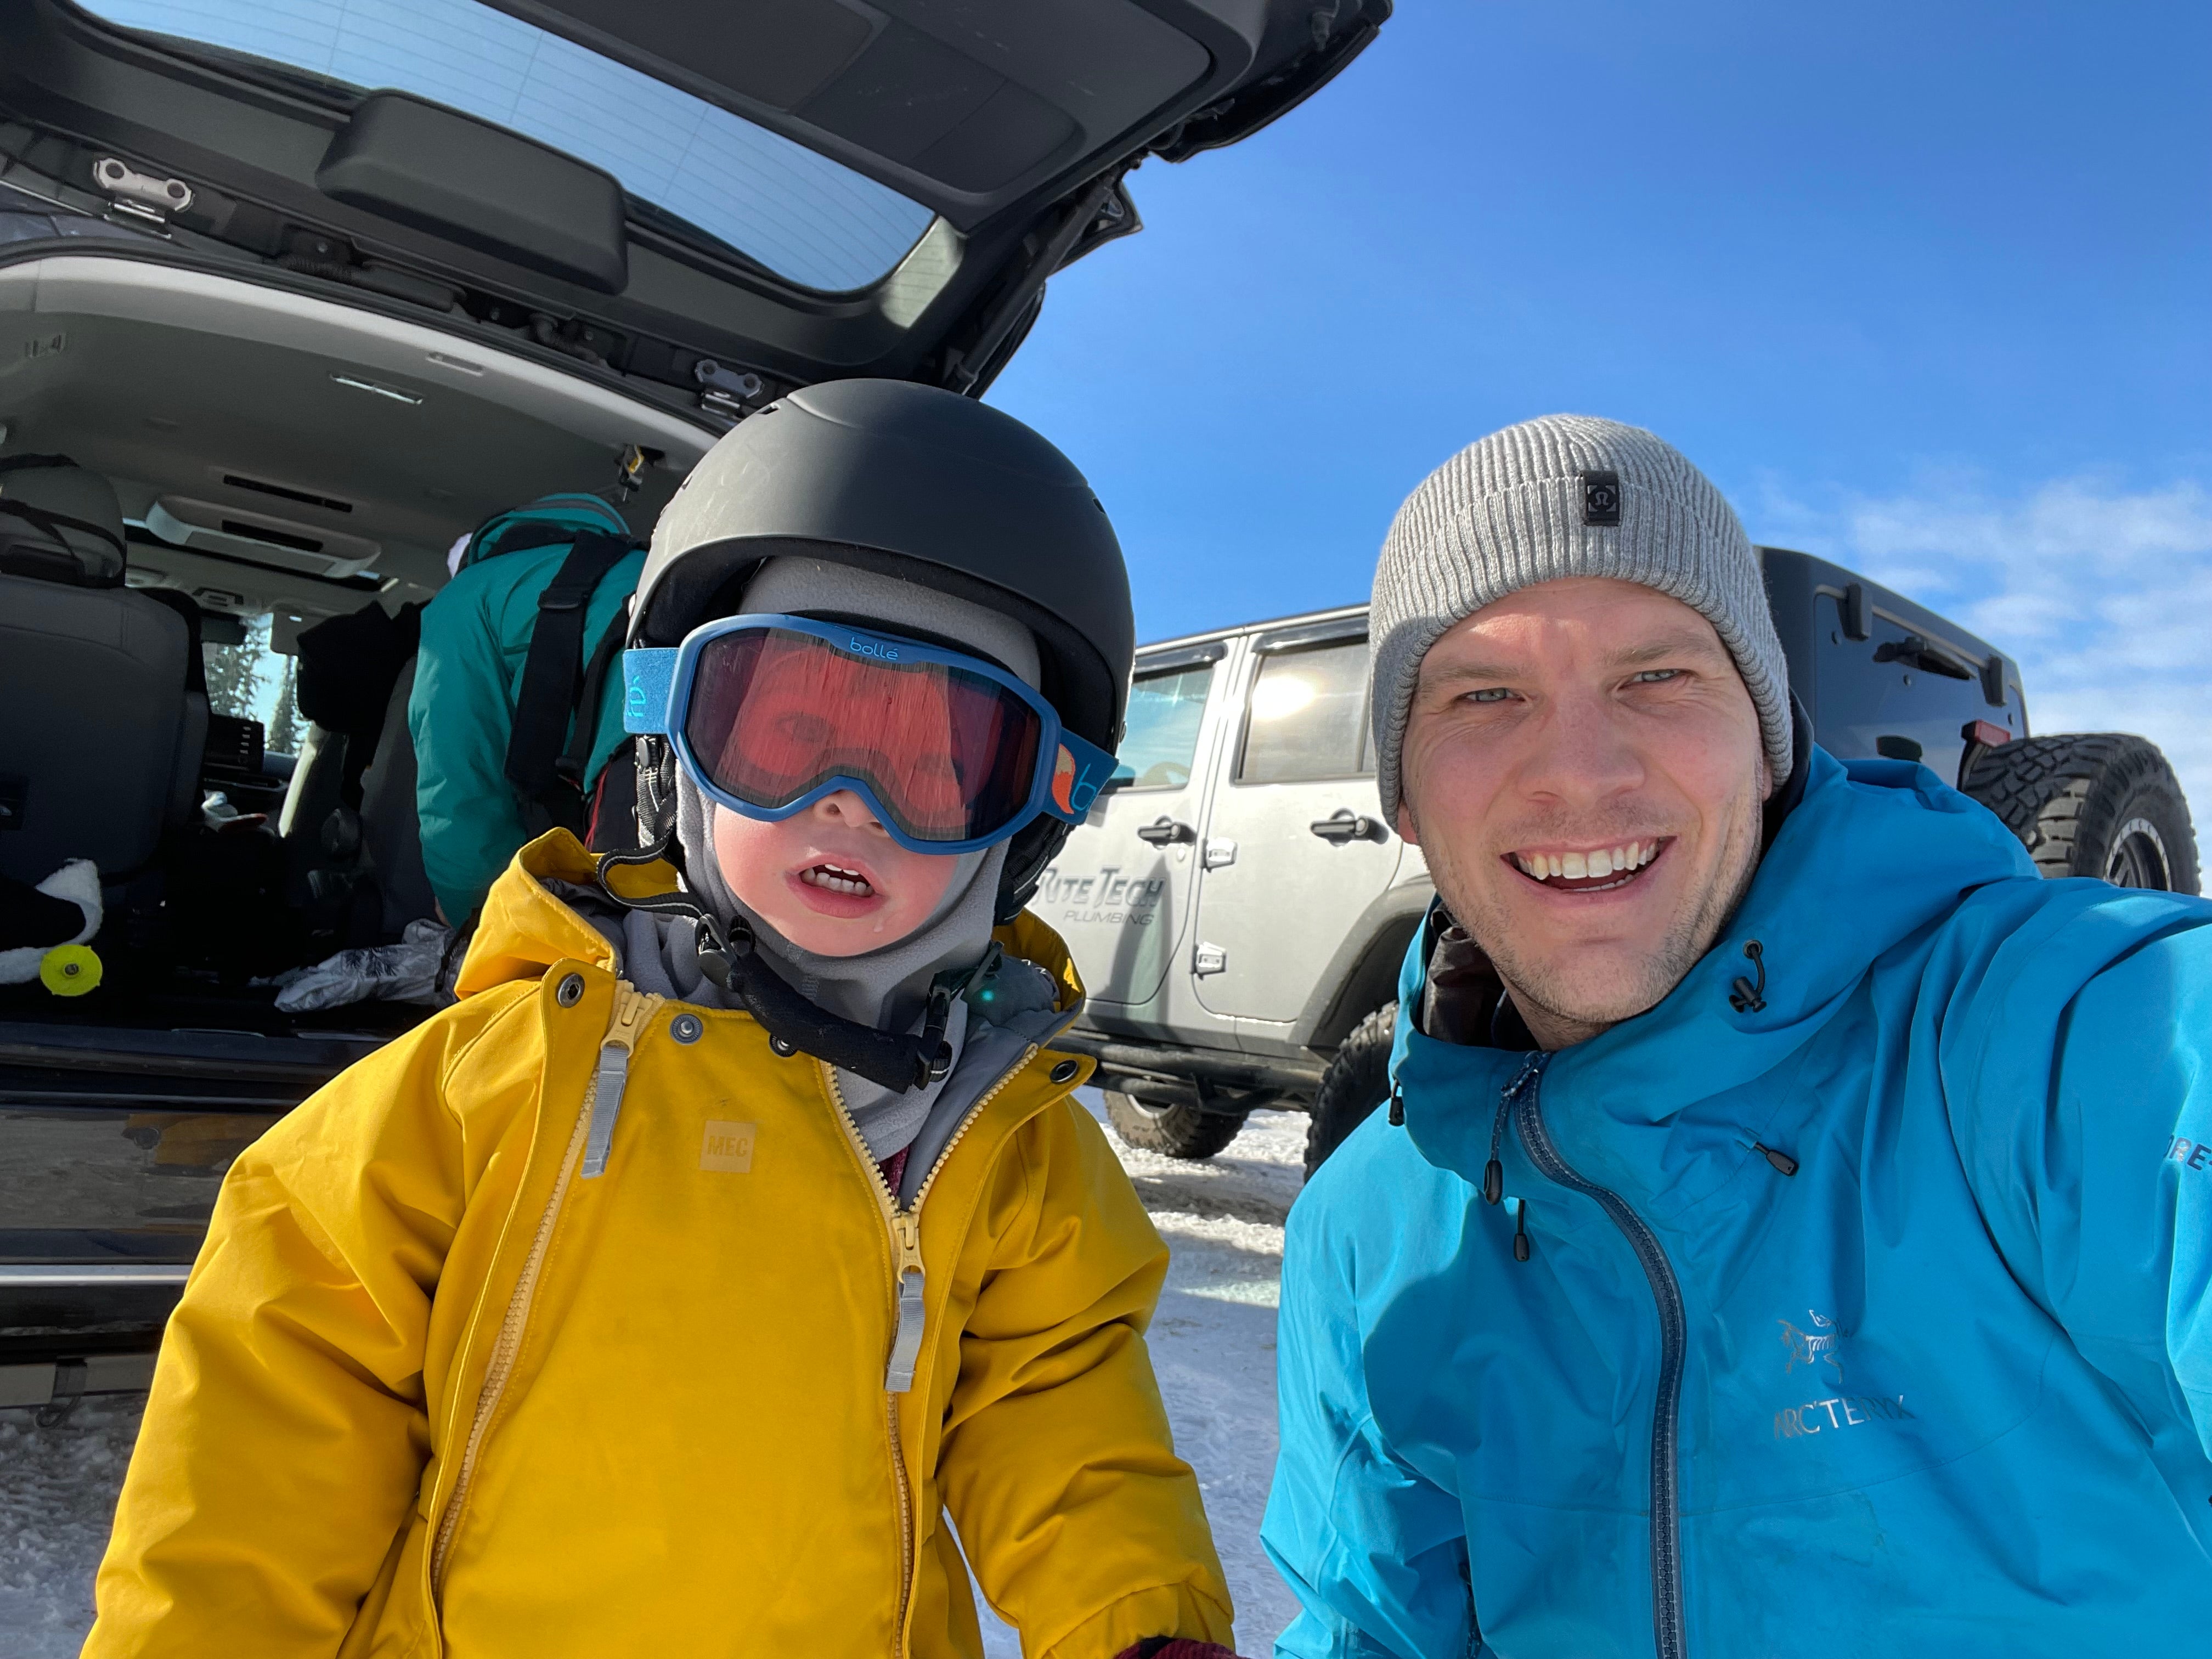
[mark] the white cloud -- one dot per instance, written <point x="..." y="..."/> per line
<point x="2102" y="593"/>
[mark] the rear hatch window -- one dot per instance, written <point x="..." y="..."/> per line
<point x="812" y="220"/>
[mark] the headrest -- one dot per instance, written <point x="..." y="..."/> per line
<point x="60" y="521"/>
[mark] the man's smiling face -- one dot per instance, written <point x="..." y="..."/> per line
<point x="1583" y="768"/>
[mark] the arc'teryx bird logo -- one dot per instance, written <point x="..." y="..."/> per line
<point x="1812" y="1347"/>
<point x="1817" y="1344"/>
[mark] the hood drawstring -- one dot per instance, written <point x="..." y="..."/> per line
<point x="1781" y="1160"/>
<point x="1494" y="1173"/>
<point x="1746" y="997"/>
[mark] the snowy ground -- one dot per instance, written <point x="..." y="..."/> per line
<point x="1213" y="1343"/>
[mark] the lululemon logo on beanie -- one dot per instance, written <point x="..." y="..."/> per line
<point x="1601" y="497"/>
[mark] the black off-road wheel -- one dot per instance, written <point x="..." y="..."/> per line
<point x="1356" y="1082"/>
<point x="1177" y="1131"/>
<point x="2102" y="804"/>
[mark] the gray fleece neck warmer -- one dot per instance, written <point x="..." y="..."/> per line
<point x="887" y="988"/>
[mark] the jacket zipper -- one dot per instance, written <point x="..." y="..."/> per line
<point x="910" y="1287"/>
<point x="632" y="1008"/>
<point x="1668" y="1633"/>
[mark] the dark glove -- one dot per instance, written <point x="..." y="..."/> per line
<point x="1176" y="1647"/>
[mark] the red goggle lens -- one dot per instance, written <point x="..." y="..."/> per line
<point x="774" y="715"/>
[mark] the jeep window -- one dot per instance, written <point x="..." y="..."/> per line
<point x="1898" y="693"/>
<point x="1308" y="716"/>
<point x="1166" y="712"/>
<point x="802" y="215"/>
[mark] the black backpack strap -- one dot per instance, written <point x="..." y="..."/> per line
<point x="576" y="759"/>
<point x="551" y="675"/>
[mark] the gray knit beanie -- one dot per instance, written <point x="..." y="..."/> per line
<point x="1565" y="495"/>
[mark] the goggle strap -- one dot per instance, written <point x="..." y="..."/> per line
<point x="648" y="677"/>
<point x="1091" y="767"/>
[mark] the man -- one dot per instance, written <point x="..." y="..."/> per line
<point x="1791" y="1230"/>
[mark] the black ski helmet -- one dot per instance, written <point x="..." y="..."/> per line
<point x="914" y="482"/>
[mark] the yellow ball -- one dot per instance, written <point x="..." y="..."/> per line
<point x="70" y="970"/>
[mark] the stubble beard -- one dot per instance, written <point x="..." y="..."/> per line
<point x="1557" y="1012"/>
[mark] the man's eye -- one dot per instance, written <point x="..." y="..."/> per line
<point x="1488" y="694"/>
<point x="1654" y="676"/>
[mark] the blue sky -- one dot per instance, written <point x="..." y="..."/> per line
<point x="1924" y="288"/>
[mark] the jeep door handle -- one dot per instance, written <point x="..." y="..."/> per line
<point x="1164" y="831"/>
<point x="1346" y="825"/>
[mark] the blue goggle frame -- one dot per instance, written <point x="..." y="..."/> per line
<point x="657" y="686"/>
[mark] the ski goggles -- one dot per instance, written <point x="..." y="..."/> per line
<point x="769" y="714"/>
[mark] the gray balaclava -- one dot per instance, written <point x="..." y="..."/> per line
<point x="887" y="988"/>
<point x="1565" y="495"/>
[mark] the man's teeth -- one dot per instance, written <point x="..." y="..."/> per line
<point x="837" y="880"/>
<point x="1579" y="866"/>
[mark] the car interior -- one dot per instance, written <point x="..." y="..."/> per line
<point x="188" y="458"/>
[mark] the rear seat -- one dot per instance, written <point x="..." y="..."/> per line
<point x="389" y="827"/>
<point x="353" y="789"/>
<point x="100" y="745"/>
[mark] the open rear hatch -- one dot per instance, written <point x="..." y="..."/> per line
<point x="705" y="200"/>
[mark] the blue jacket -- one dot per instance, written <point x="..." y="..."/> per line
<point x="1946" y="1390"/>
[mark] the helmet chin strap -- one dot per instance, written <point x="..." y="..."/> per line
<point x="728" y="958"/>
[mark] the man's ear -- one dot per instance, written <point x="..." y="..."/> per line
<point x="1766" y="777"/>
<point x="1408" y="831"/>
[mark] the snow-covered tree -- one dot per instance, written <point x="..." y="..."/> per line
<point x="235" y="675"/>
<point x="284" y="729"/>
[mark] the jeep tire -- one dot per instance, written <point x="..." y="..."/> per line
<point x="2100" y="803"/>
<point x="1176" y="1131"/>
<point x="1356" y="1082"/>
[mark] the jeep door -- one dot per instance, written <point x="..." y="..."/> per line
<point x="1120" y="892"/>
<point x="1295" y="851"/>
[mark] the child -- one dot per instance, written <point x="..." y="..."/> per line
<point x="665" y="1295"/>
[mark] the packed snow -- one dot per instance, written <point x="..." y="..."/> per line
<point x="1213" y="1344"/>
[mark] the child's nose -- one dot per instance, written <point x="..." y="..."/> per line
<point x="848" y="808"/>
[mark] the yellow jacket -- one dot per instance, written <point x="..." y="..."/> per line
<point x="432" y="1389"/>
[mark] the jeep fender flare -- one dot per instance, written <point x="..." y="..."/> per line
<point x="1363" y="974"/>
